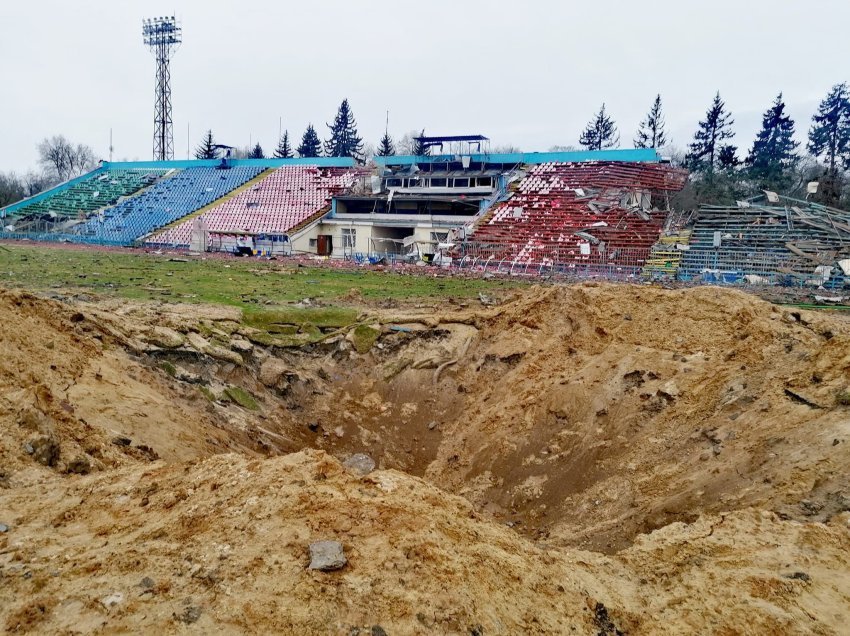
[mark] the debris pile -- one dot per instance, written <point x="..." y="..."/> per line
<point x="297" y="545"/>
<point x="579" y="213"/>
<point x="770" y="239"/>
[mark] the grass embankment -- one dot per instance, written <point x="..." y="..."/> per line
<point x="247" y="283"/>
<point x="264" y="290"/>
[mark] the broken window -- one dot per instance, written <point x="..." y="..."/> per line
<point x="349" y="238"/>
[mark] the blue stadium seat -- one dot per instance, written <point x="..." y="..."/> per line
<point x="167" y="201"/>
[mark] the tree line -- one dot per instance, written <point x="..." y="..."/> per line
<point x="343" y="141"/>
<point x="774" y="161"/>
<point x="58" y="159"/>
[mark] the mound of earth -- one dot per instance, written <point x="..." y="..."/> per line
<point x="222" y="544"/>
<point x="596" y="413"/>
<point x="627" y="458"/>
<point x="72" y="401"/>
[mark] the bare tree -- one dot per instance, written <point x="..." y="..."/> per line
<point x="407" y="145"/>
<point x="35" y="182"/>
<point x="241" y="153"/>
<point x="505" y="149"/>
<point x="11" y="189"/>
<point x="63" y="159"/>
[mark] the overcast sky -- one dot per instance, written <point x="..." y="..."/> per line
<point x="530" y="74"/>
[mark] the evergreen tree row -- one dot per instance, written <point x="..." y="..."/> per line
<point x="771" y="162"/>
<point x="774" y="157"/>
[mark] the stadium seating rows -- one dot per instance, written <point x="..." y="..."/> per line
<point x="98" y="191"/>
<point x="607" y="203"/>
<point x="167" y="201"/>
<point x="275" y="204"/>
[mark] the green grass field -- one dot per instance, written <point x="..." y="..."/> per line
<point x="246" y="283"/>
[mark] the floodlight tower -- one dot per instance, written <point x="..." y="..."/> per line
<point x="162" y="35"/>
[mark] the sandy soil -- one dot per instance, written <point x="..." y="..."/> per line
<point x="586" y="459"/>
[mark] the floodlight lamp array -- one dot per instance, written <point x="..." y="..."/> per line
<point x="163" y="30"/>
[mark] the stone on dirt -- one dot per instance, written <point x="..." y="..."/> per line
<point x="189" y="615"/>
<point x="360" y="464"/>
<point x="272" y="371"/>
<point x="147" y="583"/>
<point x="326" y="556"/>
<point x="80" y="465"/>
<point x="111" y="600"/>
<point x="44" y="449"/>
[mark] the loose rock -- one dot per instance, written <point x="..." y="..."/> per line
<point x="360" y="464"/>
<point x="163" y="337"/>
<point x="80" y="465"/>
<point x="186" y="376"/>
<point x="241" y="346"/>
<point x="110" y="601"/>
<point x="272" y="372"/>
<point x="326" y="556"/>
<point x="44" y="450"/>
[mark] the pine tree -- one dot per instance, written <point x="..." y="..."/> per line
<point x="310" y="144"/>
<point x="774" y="152"/>
<point x="257" y="152"/>
<point x="727" y="157"/>
<point x="207" y="148"/>
<point x="651" y="132"/>
<point x="386" y="147"/>
<point x="344" y="141"/>
<point x="829" y="136"/>
<point x="601" y="132"/>
<point x="709" y="138"/>
<point x="419" y="148"/>
<point x="284" y="150"/>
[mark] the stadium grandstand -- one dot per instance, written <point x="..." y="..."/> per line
<point x="399" y="207"/>
<point x="600" y="213"/>
<point x="280" y="201"/>
<point x="603" y="213"/>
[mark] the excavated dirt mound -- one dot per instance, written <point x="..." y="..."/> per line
<point x="74" y="402"/>
<point x="597" y="413"/>
<point x="698" y="438"/>
<point x="588" y="415"/>
<point x="222" y="545"/>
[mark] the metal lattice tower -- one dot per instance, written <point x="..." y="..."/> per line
<point x="162" y="35"/>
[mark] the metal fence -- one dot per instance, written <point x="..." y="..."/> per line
<point x="55" y="237"/>
<point x="757" y="267"/>
<point x="706" y="266"/>
<point x="717" y="266"/>
<point x="616" y="264"/>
